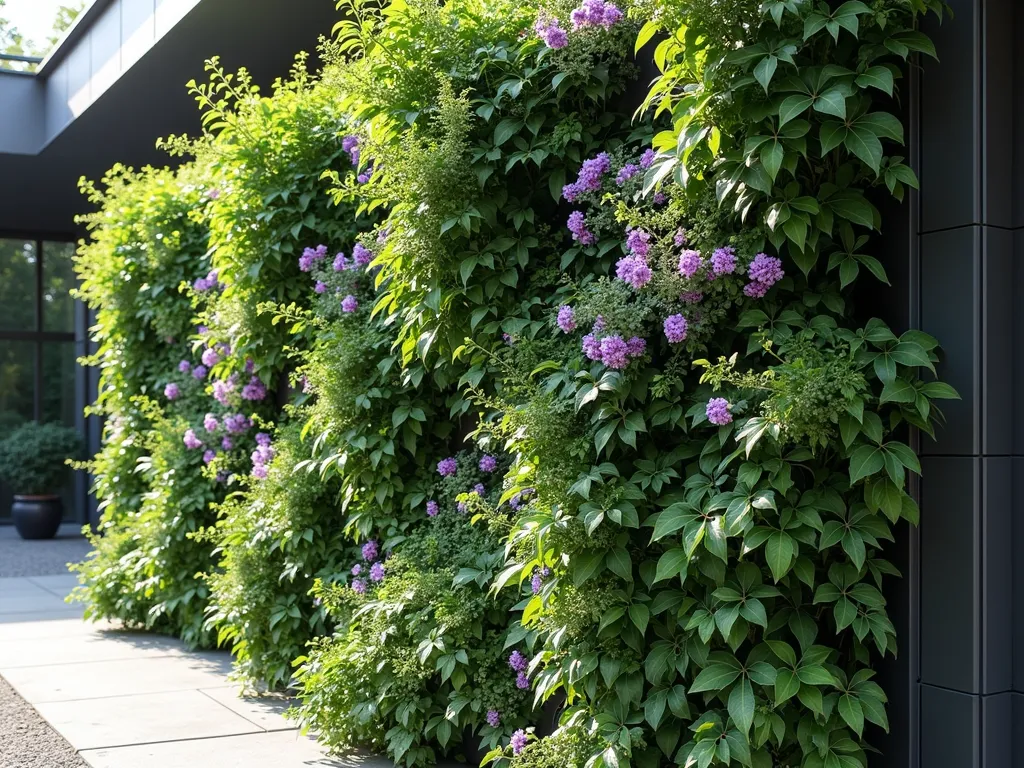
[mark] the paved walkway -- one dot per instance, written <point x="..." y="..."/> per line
<point x="125" y="699"/>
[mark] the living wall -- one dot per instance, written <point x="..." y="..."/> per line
<point x="565" y="409"/>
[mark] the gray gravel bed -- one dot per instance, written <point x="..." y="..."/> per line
<point x="40" y="558"/>
<point x="26" y="741"/>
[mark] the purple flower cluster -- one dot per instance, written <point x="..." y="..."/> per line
<point x="359" y="586"/>
<point x="718" y="411"/>
<point x="537" y="580"/>
<point x="680" y="238"/>
<point x="227" y="443"/>
<point x="172" y="392"/>
<point x="691" y="297"/>
<point x="237" y="424"/>
<point x="262" y="456"/>
<point x="647" y="158"/>
<point x="310" y="256"/>
<point x="639" y="243"/>
<point x="366" y="175"/>
<point x="184" y="366"/>
<point x="340" y="263"/>
<point x="493" y="718"/>
<point x="627" y="172"/>
<point x="199" y="372"/>
<point x="547" y="29"/>
<point x="191" y="441"/>
<point x="223" y="389"/>
<point x="521" y="498"/>
<point x="612" y="350"/>
<point x="210" y="423"/>
<point x="566" y="319"/>
<point x="350" y="144"/>
<point x="675" y="328"/>
<point x="349" y="304"/>
<point x="589" y="179"/>
<point x="764" y="271"/>
<point x="361" y="256"/>
<point x="595" y="13"/>
<point x="519" y="664"/>
<point x="432" y="509"/>
<point x="254" y="390"/>
<point x="321" y="286"/>
<point x="447" y="467"/>
<point x="518" y="741"/>
<point x="633" y="270"/>
<point x="210" y="357"/>
<point x="577" y="224"/>
<point x="208" y="456"/>
<point x="488" y="464"/>
<point x="370" y="550"/>
<point x="689" y="262"/>
<point x="377" y="572"/>
<point x="723" y="261"/>
<point x="203" y="284"/>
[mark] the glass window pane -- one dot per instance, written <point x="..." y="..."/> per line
<point x="17" y="285"/>
<point x="17" y="383"/>
<point x="58" y="280"/>
<point x="58" y="390"/>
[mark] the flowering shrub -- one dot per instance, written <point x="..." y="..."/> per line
<point x="687" y="455"/>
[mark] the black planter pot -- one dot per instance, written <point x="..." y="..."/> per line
<point x="37" y="517"/>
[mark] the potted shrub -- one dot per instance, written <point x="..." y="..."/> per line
<point x="32" y="462"/>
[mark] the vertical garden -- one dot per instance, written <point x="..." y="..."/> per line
<point x="509" y="404"/>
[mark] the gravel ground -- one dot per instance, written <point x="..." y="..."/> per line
<point x="40" y="558"/>
<point x="26" y="741"/>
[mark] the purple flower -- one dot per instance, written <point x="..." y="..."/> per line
<point x="718" y="411"/>
<point x="633" y="270"/>
<point x="250" y="366"/>
<point x="522" y="681"/>
<point x="311" y="256"/>
<point x="210" y="423"/>
<point x="360" y="255"/>
<point x="614" y="352"/>
<point x="349" y="304"/>
<point x="537" y="580"/>
<point x="518" y="662"/>
<point x="254" y="390"/>
<point x="209" y="456"/>
<point x="592" y="347"/>
<point x="599" y="324"/>
<point x="260" y="472"/>
<point x="692" y="297"/>
<point x="577" y="224"/>
<point x="431" y="508"/>
<point x="213" y="194"/>
<point x="493" y="718"/>
<point x="199" y="372"/>
<point x="340" y="263"/>
<point x="647" y="158"/>
<point x="547" y="29"/>
<point x="659" y="197"/>
<point x="357" y="569"/>
<point x="479" y="489"/>
<point x="320" y="287"/>
<point x="350" y="144"/>
<point x="680" y="238"/>
<point x="172" y="392"/>
<point x="377" y="572"/>
<point x="638" y="242"/>
<point x="566" y="319"/>
<point x="488" y="463"/>
<point x="184" y="366"/>
<point x="210" y="357"/>
<point x="589" y="179"/>
<point x="461" y="506"/>
<point x="222" y="391"/>
<point x="636" y="346"/>
<point x="521" y="498"/>
<point x="508" y="339"/>
<point x="236" y="423"/>
<point x="723" y="261"/>
<point x="595" y="13"/>
<point x="518" y="741"/>
<point x="201" y="285"/>
<point x="370" y="550"/>
<point x="365" y="176"/>
<point x="675" y="328"/>
<point x="191" y="441"/>
<point x="359" y="586"/>
<point x="202" y="330"/>
<point x="764" y="271"/>
<point x="263" y="439"/>
<point x="689" y="262"/>
<point x="227" y="443"/>
<point x="447" y="467"/>
<point x="627" y="172"/>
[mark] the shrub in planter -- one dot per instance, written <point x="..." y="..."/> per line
<point x="32" y="463"/>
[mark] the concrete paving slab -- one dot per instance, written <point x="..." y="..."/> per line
<point x="66" y="682"/>
<point x="143" y="719"/>
<point x="104" y="645"/>
<point x="68" y="612"/>
<point x="284" y="749"/>
<point x="60" y="584"/>
<point x="31" y="603"/>
<point x="18" y="587"/>
<point x="69" y="623"/>
<point x="265" y="711"/>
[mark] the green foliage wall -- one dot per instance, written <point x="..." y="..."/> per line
<point x="578" y="419"/>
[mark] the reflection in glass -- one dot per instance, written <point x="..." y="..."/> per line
<point x="58" y="387"/>
<point x="17" y="285"/>
<point x="58" y="280"/>
<point x="17" y="383"/>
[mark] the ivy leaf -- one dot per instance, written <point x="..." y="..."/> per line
<point x="765" y="70"/>
<point x="786" y="686"/>
<point x="898" y="391"/>
<point x="792" y="107"/>
<point x="863" y="143"/>
<point x="866" y="460"/>
<point x="779" y="552"/>
<point x="715" y="677"/>
<point x="506" y="129"/>
<point x="876" y="77"/>
<point x="672" y="563"/>
<point x="831" y="102"/>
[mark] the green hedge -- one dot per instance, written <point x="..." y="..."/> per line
<point x="565" y="404"/>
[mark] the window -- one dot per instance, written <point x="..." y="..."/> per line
<point x="39" y="378"/>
